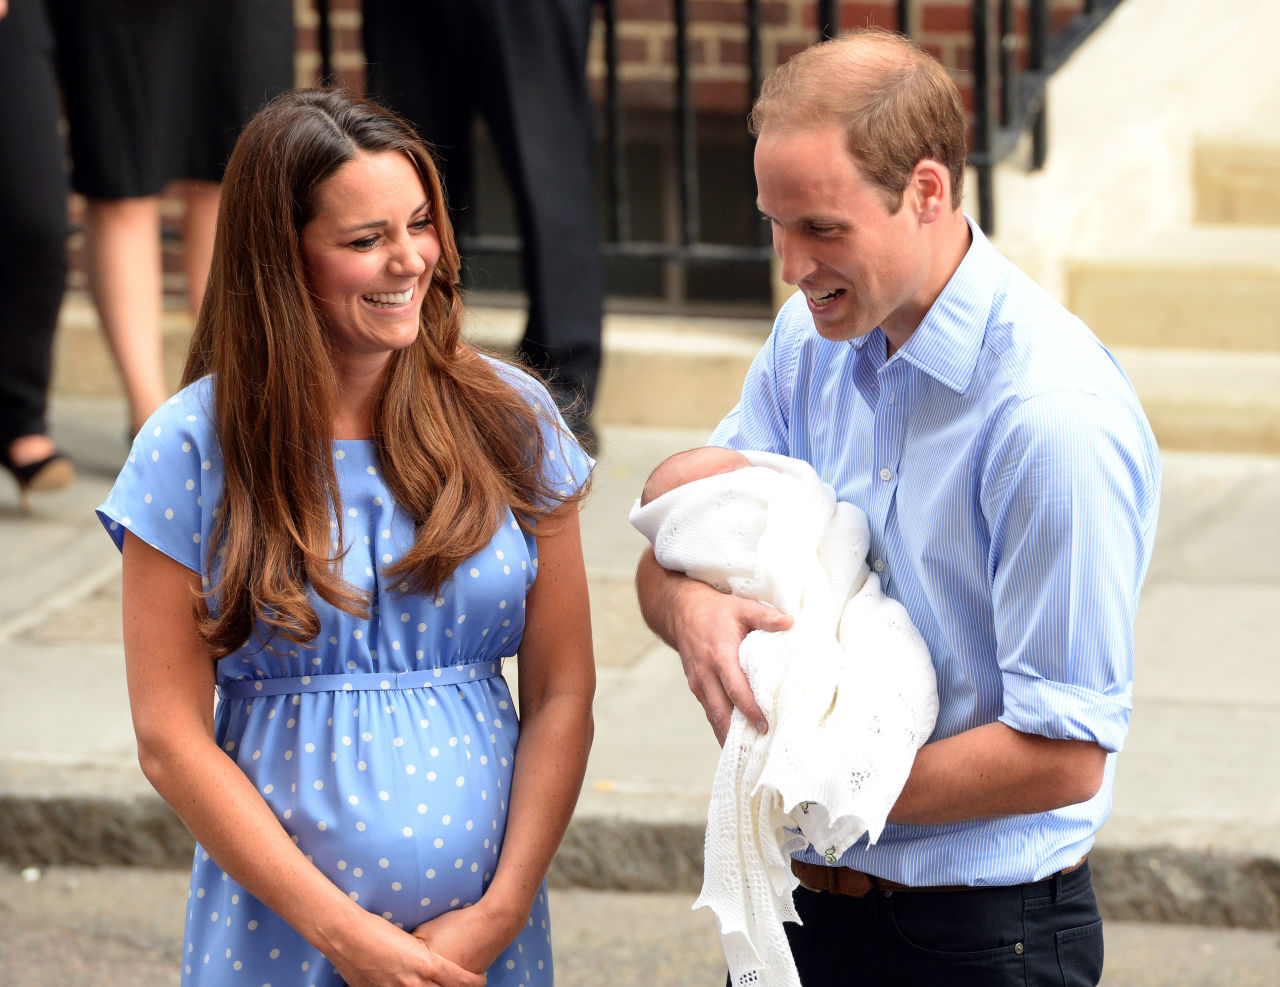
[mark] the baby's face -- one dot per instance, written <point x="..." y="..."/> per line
<point x="709" y="461"/>
<point x="696" y="464"/>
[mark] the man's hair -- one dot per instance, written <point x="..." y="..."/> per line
<point x="895" y="101"/>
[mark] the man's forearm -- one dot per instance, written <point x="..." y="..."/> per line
<point x="656" y="588"/>
<point x="994" y="770"/>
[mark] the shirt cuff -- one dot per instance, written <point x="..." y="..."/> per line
<point x="1061" y="711"/>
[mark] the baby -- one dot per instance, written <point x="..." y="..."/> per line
<point x="692" y="464"/>
<point x="848" y="690"/>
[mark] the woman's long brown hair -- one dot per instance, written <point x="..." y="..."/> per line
<point x="456" y="443"/>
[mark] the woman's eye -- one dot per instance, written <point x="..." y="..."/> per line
<point x="365" y="243"/>
<point x="421" y="225"/>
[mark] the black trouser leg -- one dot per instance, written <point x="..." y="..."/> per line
<point x="33" y="219"/>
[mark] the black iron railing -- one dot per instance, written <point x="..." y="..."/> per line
<point x="1009" y="100"/>
<point x="1010" y="80"/>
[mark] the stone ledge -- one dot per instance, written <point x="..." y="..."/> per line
<point x="1151" y="883"/>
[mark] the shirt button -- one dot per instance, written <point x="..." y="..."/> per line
<point x="886" y="474"/>
<point x="878" y="565"/>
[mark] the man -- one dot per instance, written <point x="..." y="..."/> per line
<point x="1012" y="485"/>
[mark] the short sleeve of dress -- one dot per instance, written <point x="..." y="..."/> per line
<point x="167" y="488"/>
<point x="567" y="466"/>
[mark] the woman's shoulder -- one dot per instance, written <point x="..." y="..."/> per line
<point x="522" y="381"/>
<point x="188" y="412"/>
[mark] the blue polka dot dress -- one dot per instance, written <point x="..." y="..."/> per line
<point x="386" y="749"/>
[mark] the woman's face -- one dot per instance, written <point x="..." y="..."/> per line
<point x="369" y="252"/>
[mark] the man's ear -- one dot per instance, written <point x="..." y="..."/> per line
<point x="930" y="189"/>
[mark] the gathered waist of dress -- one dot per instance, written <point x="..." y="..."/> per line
<point x="423" y="678"/>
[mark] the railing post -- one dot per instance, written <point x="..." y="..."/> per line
<point x="755" y="57"/>
<point x="982" y="113"/>
<point x="828" y="19"/>
<point x="324" y="41"/>
<point x="689" y="232"/>
<point x="904" y="17"/>
<point x="620" y="211"/>
<point x="1036" y="62"/>
<point x="1008" y="63"/>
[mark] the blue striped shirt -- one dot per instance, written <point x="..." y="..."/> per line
<point x="1012" y="485"/>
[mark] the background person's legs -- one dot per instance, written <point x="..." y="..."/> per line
<point x="33" y="251"/>
<point x="122" y="250"/>
<point x="198" y="225"/>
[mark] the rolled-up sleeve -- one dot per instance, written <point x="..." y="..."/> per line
<point x="1070" y="502"/>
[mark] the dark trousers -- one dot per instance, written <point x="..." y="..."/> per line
<point x="1032" y="935"/>
<point x="521" y="64"/>
<point x="33" y="218"/>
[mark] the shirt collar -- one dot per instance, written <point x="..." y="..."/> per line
<point x="948" y="340"/>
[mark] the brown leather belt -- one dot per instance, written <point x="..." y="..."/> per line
<point x="856" y="884"/>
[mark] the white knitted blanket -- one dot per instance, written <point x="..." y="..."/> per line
<point x="849" y="691"/>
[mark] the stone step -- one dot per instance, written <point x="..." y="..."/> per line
<point x="686" y="372"/>
<point x="1205" y="288"/>
<point x="1208" y="400"/>
<point x="1237" y="179"/>
<point x="1208" y="288"/>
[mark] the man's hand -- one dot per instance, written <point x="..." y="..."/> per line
<point x="707" y="628"/>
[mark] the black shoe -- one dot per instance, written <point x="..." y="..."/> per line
<point x="54" y="472"/>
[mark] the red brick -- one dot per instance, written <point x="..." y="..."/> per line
<point x="944" y="17"/>
<point x="633" y="51"/>
<point x="718" y="12"/>
<point x="869" y="15"/>
<point x="774" y="13"/>
<point x="646" y="10"/>
<point x="721" y="96"/>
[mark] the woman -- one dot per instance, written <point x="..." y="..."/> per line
<point x="338" y="523"/>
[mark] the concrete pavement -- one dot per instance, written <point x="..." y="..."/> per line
<point x="1195" y="836"/>
<point x="108" y="926"/>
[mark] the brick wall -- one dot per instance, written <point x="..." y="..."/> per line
<point x="717" y="43"/>
<point x="646" y="41"/>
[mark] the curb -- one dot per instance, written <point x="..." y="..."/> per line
<point x="1154" y="883"/>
